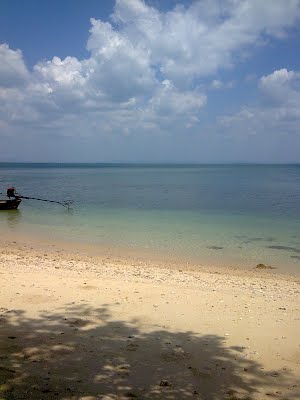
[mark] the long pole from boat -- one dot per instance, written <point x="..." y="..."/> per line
<point x="66" y="203"/>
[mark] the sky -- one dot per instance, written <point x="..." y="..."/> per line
<point x="191" y="81"/>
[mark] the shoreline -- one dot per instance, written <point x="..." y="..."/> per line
<point x="243" y="248"/>
<point x="127" y="255"/>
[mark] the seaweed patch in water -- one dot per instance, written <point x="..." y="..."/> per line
<point x="215" y="247"/>
<point x="284" y="248"/>
<point x="297" y="257"/>
<point x="259" y="239"/>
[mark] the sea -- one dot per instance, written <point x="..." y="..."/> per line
<point x="223" y="215"/>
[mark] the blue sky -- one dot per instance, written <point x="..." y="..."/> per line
<point x="154" y="81"/>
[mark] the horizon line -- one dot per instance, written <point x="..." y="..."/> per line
<point x="151" y="162"/>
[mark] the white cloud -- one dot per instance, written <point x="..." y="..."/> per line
<point x="118" y="67"/>
<point x="278" y="109"/>
<point x="141" y="71"/>
<point x="217" y="84"/>
<point x="168" y="100"/>
<point x="13" y="72"/>
<point x="67" y="72"/>
<point x="195" y="41"/>
<point x="281" y="90"/>
<point x="282" y="87"/>
<point x="277" y="78"/>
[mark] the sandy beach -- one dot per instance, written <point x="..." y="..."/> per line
<point x="84" y="327"/>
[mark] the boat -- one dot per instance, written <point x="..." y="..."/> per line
<point x="11" y="204"/>
<point x="14" y="199"/>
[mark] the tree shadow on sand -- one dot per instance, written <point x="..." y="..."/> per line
<point x="82" y="353"/>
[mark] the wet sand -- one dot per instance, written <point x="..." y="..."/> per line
<point x="88" y="327"/>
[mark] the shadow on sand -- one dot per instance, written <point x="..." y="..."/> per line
<point x="82" y="353"/>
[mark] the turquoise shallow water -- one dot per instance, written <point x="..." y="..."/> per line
<point x="219" y="214"/>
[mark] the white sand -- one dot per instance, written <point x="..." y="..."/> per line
<point x="75" y="327"/>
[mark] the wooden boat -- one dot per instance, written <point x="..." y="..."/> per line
<point x="11" y="204"/>
<point x="14" y="199"/>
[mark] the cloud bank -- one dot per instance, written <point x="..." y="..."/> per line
<point x="149" y="72"/>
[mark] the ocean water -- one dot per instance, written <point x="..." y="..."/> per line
<point x="238" y="215"/>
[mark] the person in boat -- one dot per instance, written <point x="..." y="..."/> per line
<point x="11" y="192"/>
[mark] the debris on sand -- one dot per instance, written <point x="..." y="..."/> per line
<point x="263" y="266"/>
